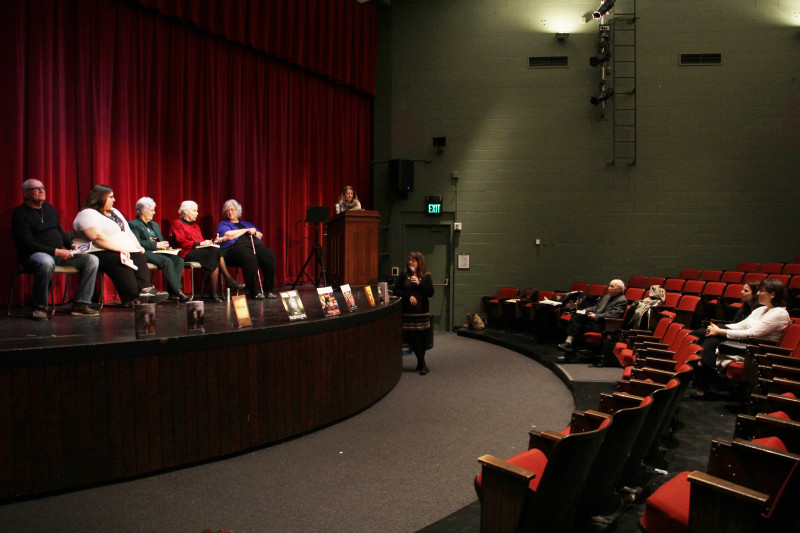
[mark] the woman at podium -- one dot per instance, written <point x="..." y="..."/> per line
<point x="348" y="200"/>
<point x="415" y="286"/>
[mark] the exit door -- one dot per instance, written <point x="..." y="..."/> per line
<point x="434" y="243"/>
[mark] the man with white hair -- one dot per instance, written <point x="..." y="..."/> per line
<point x="42" y="245"/>
<point x="611" y="305"/>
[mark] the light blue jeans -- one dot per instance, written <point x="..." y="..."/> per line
<point x="42" y="265"/>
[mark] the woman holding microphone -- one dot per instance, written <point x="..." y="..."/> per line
<point x="415" y="286"/>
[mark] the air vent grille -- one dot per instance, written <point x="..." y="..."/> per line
<point x="701" y="59"/>
<point x="548" y="61"/>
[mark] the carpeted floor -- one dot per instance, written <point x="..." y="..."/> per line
<point x="405" y="464"/>
<point x="401" y="465"/>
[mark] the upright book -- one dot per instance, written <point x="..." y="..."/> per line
<point x="348" y="297"/>
<point x="328" y="301"/>
<point x="293" y="305"/>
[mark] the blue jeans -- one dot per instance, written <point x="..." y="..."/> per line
<point x="42" y="265"/>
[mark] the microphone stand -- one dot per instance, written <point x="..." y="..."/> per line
<point x="316" y="252"/>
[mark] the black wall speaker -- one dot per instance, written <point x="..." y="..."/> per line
<point x="401" y="175"/>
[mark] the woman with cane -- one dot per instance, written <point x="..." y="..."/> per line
<point x="242" y="247"/>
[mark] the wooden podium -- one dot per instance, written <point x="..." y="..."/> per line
<point x="352" y="248"/>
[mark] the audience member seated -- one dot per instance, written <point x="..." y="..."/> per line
<point x="768" y="321"/>
<point x="196" y="249"/>
<point x="242" y="246"/>
<point x="612" y="305"/>
<point x="42" y="245"/>
<point x="150" y="238"/>
<point x="120" y="254"/>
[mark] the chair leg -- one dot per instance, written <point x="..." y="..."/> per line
<point x="11" y="291"/>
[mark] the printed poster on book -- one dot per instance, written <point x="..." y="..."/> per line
<point x="328" y="301"/>
<point x="348" y="297"/>
<point x="293" y="305"/>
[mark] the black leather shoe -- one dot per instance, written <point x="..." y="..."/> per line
<point x="564" y="347"/>
<point x="182" y="298"/>
<point x="424" y="370"/>
<point x="565" y="359"/>
<point x="235" y="285"/>
<point x="218" y="299"/>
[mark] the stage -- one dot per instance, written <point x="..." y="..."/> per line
<point x="82" y="400"/>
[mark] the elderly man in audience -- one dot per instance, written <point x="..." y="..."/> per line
<point x="611" y="305"/>
<point x="148" y="233"/>
<point x="42" y="244"/>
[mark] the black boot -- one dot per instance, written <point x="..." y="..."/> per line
<point x="421" y="366"/>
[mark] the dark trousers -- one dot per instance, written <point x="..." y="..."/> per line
<point x="127" y="281"/>
<point x="171" y="266"/>
<point x="580" y="324"/>
<point x="707" y="370"/>
<point x="243" y="257"/>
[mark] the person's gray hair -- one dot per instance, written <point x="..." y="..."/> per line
<point x="145" y="202"/>
<point x="235" y="204"/>
<point x="185" y="206"/>
<point x="618" y="283"/>
<point x="27" y="183"/>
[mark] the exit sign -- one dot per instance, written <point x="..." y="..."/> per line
<point x="433" y="205"/>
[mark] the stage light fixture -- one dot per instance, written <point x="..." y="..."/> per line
<point x="603" y="54"/>
<point x="604" y="8"/>
<point x="605" y="93"/>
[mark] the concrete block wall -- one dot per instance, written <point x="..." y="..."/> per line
<point x="718" y="151"/>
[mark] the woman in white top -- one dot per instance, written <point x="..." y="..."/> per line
<point x="768" y="321"/>
<point x="120" y="254"/>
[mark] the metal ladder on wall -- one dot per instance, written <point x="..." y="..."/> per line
<point x="624" y="78"/>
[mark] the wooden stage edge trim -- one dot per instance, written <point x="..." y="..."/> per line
<point x="73" y="420"/>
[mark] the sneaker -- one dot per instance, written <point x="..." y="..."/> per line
<point x="271" y="296"/>
<point x="83" y="309"/>
<point x="260" y="296"/>
<point x="40" y="314"/>
<point x="151" y="295"/>
<point x="565" y="347"/>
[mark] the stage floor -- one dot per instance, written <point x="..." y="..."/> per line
<point x="117" y="324"/>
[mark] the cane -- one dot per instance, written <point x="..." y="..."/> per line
<point x="258" y="270"/>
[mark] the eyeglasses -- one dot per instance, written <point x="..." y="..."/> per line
<point x="42" y="189"/>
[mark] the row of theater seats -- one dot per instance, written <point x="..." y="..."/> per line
<point x="693" y="295"/>
<point x="752" y="482"/>
<point x="567" y="478"/>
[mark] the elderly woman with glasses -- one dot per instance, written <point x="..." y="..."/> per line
<point x="155" y="245"/>
<point x="194" y="247"/>
<point x="241" y="246"/>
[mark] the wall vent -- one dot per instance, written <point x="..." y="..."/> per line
<point x="548" y="61"/>
<point x="701" y="59"/>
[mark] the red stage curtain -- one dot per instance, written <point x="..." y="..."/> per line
<point x="335" y="38"/>
<point x="105" y="91"/>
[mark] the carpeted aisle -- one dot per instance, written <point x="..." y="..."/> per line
<point x="401" y="465"/>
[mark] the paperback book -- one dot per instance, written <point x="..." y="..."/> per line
<point x="348" y="297"/>
<point x="293" y="305"/>
<point x="328" y="301"/>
